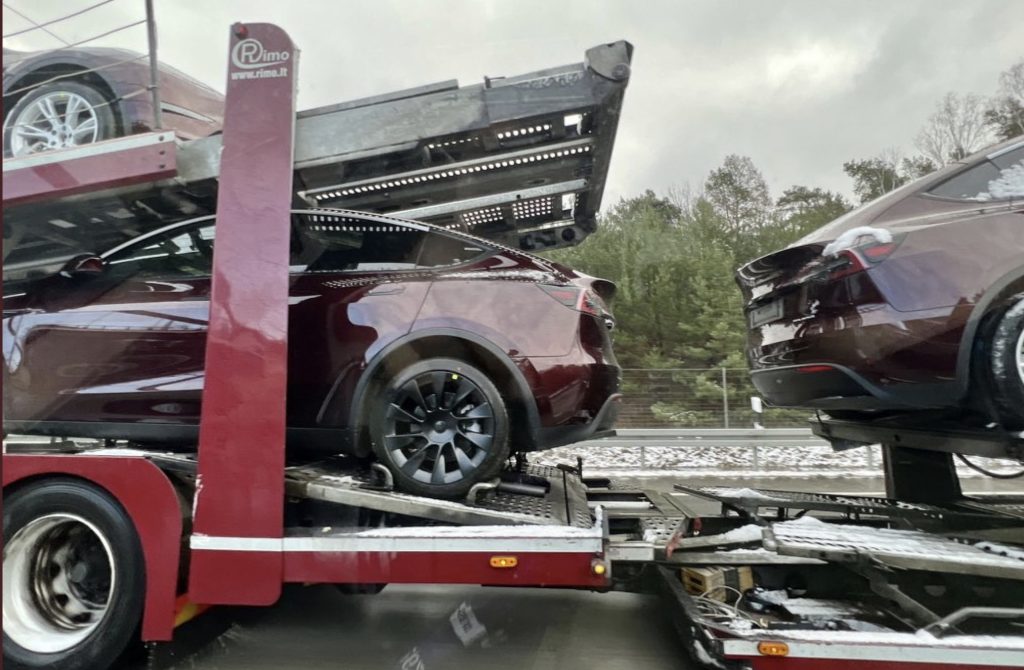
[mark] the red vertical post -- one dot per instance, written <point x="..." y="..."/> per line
<point x="238" y="515"/>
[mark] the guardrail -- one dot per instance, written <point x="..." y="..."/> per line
<point x="718" y="437"/>
<point x="755" y="440"/>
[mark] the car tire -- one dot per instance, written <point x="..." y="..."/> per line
<point x="440" y="426"/>
<point x="91" y="107"/>
<point x="73" y="577"/>
<point x="1006" y="353"/>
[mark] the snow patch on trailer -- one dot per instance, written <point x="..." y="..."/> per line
<point x="735" y="463"/>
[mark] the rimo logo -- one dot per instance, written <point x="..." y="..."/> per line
<point x="258" y="63"/>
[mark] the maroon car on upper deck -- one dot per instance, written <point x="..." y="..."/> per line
<point x="913" y="301"/>
<point x="73" y="96"/>
<point x="439" y="351"/>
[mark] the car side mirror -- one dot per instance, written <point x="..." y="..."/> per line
<point x="83" y="265"/>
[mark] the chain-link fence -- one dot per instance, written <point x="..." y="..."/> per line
<point x="697" y="398"/>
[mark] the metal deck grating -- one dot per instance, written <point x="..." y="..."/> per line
<point x="906" y="549"/>
<point x="541" y="508"/>
<point x="752" y="500"/>
<point x="658" y="529"/>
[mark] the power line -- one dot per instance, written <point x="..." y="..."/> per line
<point x="76" y="73"/>
<point x="37" y="26"/>
<point x="94" y="37"/>
<point x="49" y="23"/>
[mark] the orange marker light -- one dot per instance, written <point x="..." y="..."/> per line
<point x="599" y="568"/>
<point x="773" y="648"/>
<point x="504" y="561"/>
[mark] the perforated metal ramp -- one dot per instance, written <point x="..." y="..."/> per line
<point x="751" y="501"/>
<point x="563" y="503"/>
<point x="904" y="549"/>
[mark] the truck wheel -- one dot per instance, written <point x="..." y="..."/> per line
<point x="1007" y="358"/>
<point x="56" y="116"/>
<point x="440" y="426"/>
<point x="73" y="577"/>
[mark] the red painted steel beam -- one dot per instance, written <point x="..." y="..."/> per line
<point x="533" y="569"/>
<point x="126" y="161"/>
<point x="149" y="499"/>
<point x="240" y="487"/>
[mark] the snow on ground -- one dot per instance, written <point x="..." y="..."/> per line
<point x="796" y="461"/>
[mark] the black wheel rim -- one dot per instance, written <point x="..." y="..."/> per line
<point x="439" y="428"/>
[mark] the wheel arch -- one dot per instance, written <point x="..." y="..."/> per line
<point x="463" y="345"/>
<point x="149" y="499"/>
<point x="980" y="325"/>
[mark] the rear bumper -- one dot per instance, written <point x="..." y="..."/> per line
<point x="600" y="426"/>
<point x="831" y="386"/>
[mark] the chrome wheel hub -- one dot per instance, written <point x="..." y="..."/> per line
<point x="58" y="578"/>
<point x="55" y="121"/>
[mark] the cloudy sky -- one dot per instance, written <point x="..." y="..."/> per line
<point x="798" y="85"/>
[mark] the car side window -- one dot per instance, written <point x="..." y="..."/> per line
<point x="339" y="244"/>
<point x="175" y="254"/>
<point x="440" y="250"/>
<point x="998" y="178"/>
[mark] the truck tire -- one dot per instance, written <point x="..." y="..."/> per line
<point x="1007" y="365"/>
<point x="73" y="577"/>
<point x="440" y="426"/>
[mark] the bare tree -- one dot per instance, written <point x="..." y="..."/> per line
<point x="1005" y="114"/>
<point x="955" y="129"/>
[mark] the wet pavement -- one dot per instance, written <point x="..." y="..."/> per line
<point x="430" y="627"/>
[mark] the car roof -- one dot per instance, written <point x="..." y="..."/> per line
<point x="347" y="213"/>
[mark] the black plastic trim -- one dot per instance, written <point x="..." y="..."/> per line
<point x="600" y="426"/>
<point x="842" y="388"/>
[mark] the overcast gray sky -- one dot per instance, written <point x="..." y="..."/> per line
<point x="798" y="85"/>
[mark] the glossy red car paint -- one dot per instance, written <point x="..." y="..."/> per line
<point x="123" y="356"/>
<point x="150" y="500"/>
<point x="890" y="320"/>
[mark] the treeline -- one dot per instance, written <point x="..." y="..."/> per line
<point x="673" y="255"/>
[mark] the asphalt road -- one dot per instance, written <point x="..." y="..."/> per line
<point x="410" y="628"/>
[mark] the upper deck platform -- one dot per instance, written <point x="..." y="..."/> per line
<point x="522" y="160"/>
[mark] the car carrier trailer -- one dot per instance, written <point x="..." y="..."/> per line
<point x="776" y="580"/>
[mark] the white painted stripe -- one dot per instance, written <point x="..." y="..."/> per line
<point x="441" y="545"/>
<point x="216" y="543"/>
<point x="397" y="544"/>
<point x="950" y="654"/>
<point x="86" y="150"/>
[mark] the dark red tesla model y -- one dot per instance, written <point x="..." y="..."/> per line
<point x="438" y="352"/>
<point x="913" y="301"/>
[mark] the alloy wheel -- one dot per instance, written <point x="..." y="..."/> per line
<point x="1020" y="357"/>
<point x="54" y="121"/>
<point x="439" y="428"/>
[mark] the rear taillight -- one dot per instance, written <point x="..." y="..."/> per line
<point x="878" y="252"/>
<point x="850" y="261"/>
<point x="579" y="299"/>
